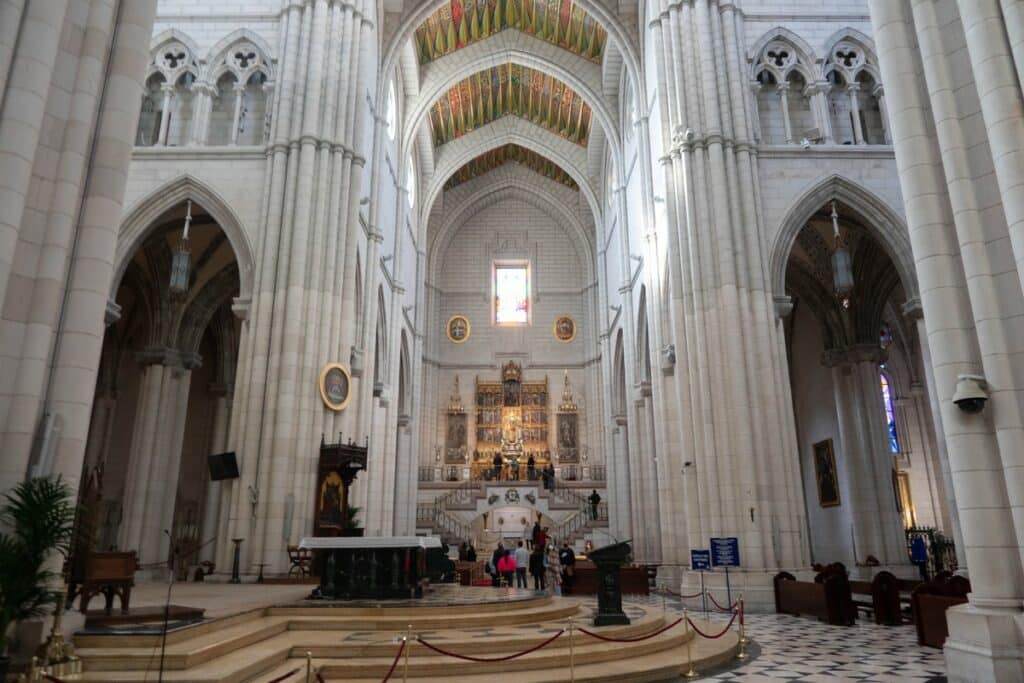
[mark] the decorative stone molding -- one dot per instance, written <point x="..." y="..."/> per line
<point x="112" y="313"/>
<point x="854" y="354"/>
<point x="783" y="306"/>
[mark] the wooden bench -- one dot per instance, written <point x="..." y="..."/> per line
<point x="884" y="596"/>
<point x="107" y="573"/>
<point x="829" y="599"/>
<point x="930" y="602"/>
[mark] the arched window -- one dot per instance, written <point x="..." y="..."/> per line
<point x="890" y="413"/>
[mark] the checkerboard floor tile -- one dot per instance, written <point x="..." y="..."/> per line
<point x="788" y="648"/>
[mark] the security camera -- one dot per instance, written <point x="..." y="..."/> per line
<point x="970" y="395"/>
<point x="805" y="143"/>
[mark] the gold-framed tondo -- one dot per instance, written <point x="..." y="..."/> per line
<point x="335" y="386"/>
<point x="457" y="328"/>
<point x="564" y="328"/>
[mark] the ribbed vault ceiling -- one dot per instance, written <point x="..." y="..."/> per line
<point x="511" y="153"/>
<point x="461" y="22"/>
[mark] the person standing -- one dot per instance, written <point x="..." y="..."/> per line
<point x="531" y="468"/>
<point x="470" y="553"/>
<point x="537" y="568"/>
<point x="554" y="571"/>
<point x="567" y="557"/>
<point x="535" y="534"/>
<point x="497" y="465"/>
<point x="507" y="567"/>
<point x="594" y="499"/>
<point x="522" y="564"/>
<point x="496" y="556"/>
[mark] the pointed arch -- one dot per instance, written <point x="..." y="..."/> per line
<point x="619" y="398"/>
<point x="876" y="215"/>
<point x="163" y="38"/>
<point x="643" y="338"/>
<point x="849" y="34"/>
<point x="142" y="216"/>
<point x="219" y="52"/>
<point x="804" y="52"/>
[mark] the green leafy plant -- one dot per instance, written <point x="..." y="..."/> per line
<point x="351" y="518"/>
<point x="37" y="518"/>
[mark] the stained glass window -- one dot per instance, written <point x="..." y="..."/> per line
<point x="511" y="294"/>
<point x="890" y="415"/>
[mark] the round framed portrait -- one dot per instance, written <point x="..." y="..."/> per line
<point x="335" y="386"/>
<point x="457" y="329"/>
<point x="564" y="329"/>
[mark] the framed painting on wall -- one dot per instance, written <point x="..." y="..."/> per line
<point x="335" y="385"/>
<point x="825" y="474"/>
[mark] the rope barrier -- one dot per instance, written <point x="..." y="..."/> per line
<point x="285" y="676"/>
<point x="631" y="640"/>
<point x="723" y="609"/>
<point x="718" y="635"/>
<point x="506" y="658"/>
<point x="398" y="656"/>
<point x="680" y="595"/>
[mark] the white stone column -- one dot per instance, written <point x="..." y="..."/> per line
<point x="883" y="110"/>
<point x="755" y="90"/>
<point x="853" y="90"/>
<point x="783" y="89"/>
<point x="239" y="90"/>
<point x="28" y="86"/>
<point x="214" y="489"/>
<point x="202" y="97"/>
<point x="918" y="53"/>
<point x="821" y="112"/>
<point x="866" y="459"/>
<point x="165" y="114"/>
<point x="622" y="500"/>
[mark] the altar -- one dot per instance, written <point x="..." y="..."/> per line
<point x="373" y="567"/>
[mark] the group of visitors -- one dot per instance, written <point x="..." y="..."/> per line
<point x="552" y="569"/>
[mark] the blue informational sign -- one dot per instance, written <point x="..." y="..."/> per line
<point x="725" y="552"/>
<point x="700" y="560"/>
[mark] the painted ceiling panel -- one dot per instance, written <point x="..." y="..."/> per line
<point x="491" y="160"/>
<point x="510" y="89"/>
<point x="458" y="23"/>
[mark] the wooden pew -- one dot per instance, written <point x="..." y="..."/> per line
<point x="829" y="599"/>
<point x="884" y="597"/>
<point x="930" y="602"/>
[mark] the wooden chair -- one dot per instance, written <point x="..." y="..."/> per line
<point x="301" y="560"/>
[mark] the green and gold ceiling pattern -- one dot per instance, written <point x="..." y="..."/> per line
<point x="511" y="153"/>
<point x="461" y="22"/>
<point x="510" y="89"/>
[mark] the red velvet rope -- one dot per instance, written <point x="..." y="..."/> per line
<point x="398" y="655"/>
<point x="631" y="640"/>
<point x="680" y="595"/>
<point x="724" y="609"/>
<point x="287" y="675"/>
<point x="506" y="658"/>
<point x="719" y="635"/>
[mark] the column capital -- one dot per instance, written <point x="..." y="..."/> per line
<point x="853" y="355"/>
<point x="112" y="314"/>
<point x="167" y="88"/>
<point x="878" y="90"/>
<point x="169" y="357"/>
<point x="782" y="87"/>
<point x="912" y="308"/>
<point x="853" y="87"/>
<point x="238" y="87"/>
<point x="783" y="306"/>
<point x="240" y="306"/>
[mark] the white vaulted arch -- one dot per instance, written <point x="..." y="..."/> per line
<point x="510" y="129"/>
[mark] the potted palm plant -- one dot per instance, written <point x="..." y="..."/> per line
<point x="36" y="519"/>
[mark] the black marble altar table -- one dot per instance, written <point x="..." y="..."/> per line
<point x="372" y="567"/>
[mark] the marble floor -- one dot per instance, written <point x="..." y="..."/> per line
<point x="788" y="648"/>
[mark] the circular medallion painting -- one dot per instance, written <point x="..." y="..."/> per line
<point x="335" y="386"/>
<point x="457" y="329"/>
<point x="564" y="328"/>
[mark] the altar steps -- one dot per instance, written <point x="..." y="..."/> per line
<point x="360" y="644"/>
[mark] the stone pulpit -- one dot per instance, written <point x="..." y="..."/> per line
<point x="609" y="561"/>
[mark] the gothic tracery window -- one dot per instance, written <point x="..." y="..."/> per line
<point x="890" y="413"/>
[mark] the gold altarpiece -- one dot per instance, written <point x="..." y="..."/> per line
<point x="512" y="419"/>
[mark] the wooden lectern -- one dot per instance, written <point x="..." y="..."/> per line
<point x="609" y="561"/>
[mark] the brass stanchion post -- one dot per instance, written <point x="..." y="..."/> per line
<point x="309" y="667"/>
<point x="572" y="653"/>
<point x="405" y="655"/>
<point x="742" y="654"/>
<point x="690" y="673"/>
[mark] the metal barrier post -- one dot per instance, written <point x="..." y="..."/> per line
<point x="405" y="639"/>
<point x="309" y="667"/>
<point x="742" y="654"/>
<point x="690" y="673"/>
<point x="572" y="653"/>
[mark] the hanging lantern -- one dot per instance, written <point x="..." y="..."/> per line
<point x="842" y="264"/>
<point x="181" y="260"/>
